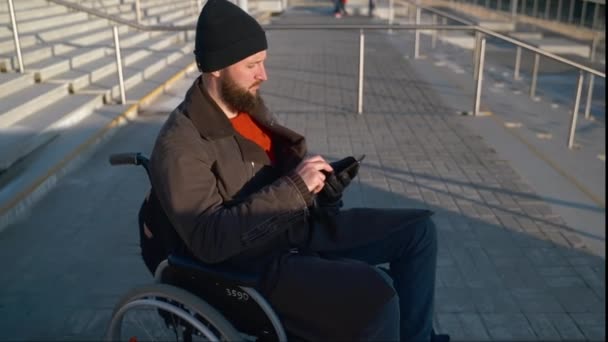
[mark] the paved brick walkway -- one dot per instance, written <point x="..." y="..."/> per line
<point x="507" y="266"/>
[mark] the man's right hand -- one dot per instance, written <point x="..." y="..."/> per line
<point x="310" y="172"/>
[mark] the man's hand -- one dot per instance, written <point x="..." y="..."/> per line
<point x="310" y="172"/>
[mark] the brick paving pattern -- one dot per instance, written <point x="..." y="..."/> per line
<point x="507" y="269"/>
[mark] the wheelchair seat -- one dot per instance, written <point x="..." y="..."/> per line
<point x="219" y="273"/>
<point x="230" y="292"/>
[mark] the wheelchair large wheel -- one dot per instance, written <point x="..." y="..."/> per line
<point x="160" y="312"/>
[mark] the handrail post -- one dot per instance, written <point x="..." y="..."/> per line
<point x="11" y="9"/>
<point x="138" y="11"/>
<point x="417" y="32"/>
<point x="577" y="99"/>
<point x="534" y="75"/>
<point x="513" y="9"/>
<point x="361" y="70"/>
<point x="121" y="83"/>
<point x="517" y="63"/>
<point x="476" y="54"/>
<point x="589" y="96"/>
<point x="593" y="49"/>
<point x="391" y="15"/>
<point x="571" y="11"/>
<point x="595" y="12"/>
<point x="479" y="81"/>
<point x="583" y="13"/>
<point x="558" y="15"/>
<point x="434" y="36"/>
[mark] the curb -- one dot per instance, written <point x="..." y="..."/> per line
<point x="19" y="204"/>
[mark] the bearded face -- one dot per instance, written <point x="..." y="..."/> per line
<point x="239" y="98"/>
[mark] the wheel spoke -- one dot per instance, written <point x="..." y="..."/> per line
<point x="190" y="318"/>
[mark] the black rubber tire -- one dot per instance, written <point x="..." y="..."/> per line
<point x="191" y="302"/>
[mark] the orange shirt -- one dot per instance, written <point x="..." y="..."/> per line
<point x="247" y="127"/>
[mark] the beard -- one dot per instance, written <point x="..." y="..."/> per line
<point x="239" y="98"/>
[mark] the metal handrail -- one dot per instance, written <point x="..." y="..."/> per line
<point x="509" y="39"/>
<point x="17" y="41"/>
<point x="118" y="20"/>
<point x="465" y="25"/>
<point x="480" y="55"/>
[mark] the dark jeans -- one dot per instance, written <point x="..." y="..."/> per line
<point x="339" y="6"/>
<point x="411" y="252"/>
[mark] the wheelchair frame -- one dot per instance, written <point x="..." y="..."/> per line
<point x="190" y="308"/>
<point x="182" y="302"/>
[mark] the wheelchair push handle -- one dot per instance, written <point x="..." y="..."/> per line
<point x="132" y="158"/>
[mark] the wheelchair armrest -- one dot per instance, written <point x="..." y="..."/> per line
<point x="219" y="273"/>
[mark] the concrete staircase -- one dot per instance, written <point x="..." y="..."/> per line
<point x="53" y="115"/>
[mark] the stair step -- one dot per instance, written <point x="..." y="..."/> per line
<point x="34" y="54"/>
<point x="37" y="129"/>
<point x="101" y="36"/>
<point x="165" y="8"/>
<point x="12" y="82"/>
<point x="155" y="62"/>
<point x="5" y="32"/>
<point x="66" y="31"/>
<point x="117" y="9"/>
<point x="159" y="42"/>
<point x="56" y="65"/>
<point x="133" y="75"/>
<point x="91" y="29"/>
<point x="189" y="20"/>
<point x="99" y="3"/>
<point x="29" y="179"/>
<point x="33" y="13"/>
<point x="7" y="45"/>
<point x="152" y="3"/>
<point x="50" y="21"/>
<point x="25" y="5"/>
<point x="169" y="18"/>
<point x="23" y="103"/>
<point x="155" y="80"/>
<point x="85" y="74"/>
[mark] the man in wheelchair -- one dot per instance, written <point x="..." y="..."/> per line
<point x="240" y="191"/>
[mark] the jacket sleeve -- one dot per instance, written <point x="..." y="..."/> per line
<point x="212" y="230"/>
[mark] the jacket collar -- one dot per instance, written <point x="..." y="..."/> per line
<point x="208" y="118"/>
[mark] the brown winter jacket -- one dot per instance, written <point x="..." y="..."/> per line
<point x="218" y="188"/>
<point x="229" y="206"/>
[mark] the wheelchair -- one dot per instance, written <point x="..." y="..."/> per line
<point x="191" y="301"/>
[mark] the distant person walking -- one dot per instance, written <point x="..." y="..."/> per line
<point x="339" y="9"/>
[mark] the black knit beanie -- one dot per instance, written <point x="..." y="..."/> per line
<point x="225" y="34"/>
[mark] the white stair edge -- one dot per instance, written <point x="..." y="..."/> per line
<point x="35" y="139"/>
<point x="28" y="194"/>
